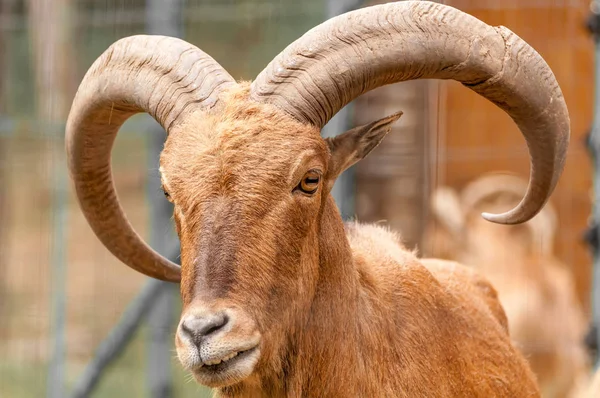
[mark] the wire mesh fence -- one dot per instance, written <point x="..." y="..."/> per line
<point x="448" y="136"/>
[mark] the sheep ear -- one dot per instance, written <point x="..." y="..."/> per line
<point x="447" y="209"/>
<point x="353" y="145"/>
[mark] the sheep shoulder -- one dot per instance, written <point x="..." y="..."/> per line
<point x="442" y="321"/>
<point x="381" y="253"/>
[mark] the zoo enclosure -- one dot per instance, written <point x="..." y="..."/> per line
<point x="448" y="135"/>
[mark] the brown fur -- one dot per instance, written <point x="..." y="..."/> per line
<point x="536" y="290"/>
<point x="341" y="310"/>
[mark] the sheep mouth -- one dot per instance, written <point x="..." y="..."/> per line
<point x="229" y="370"/>
<point x="228" y="360"/>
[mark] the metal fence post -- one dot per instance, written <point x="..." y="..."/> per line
<point x="56" y="367"/>
<point x="343" y="190"/>
<point x="593" y="235"/>
<point x="49" y="23"/>
<point x="164" y="17"/>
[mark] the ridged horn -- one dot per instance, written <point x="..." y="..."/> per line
<point x="346" y="56"/>
<point x="163" y="76"/>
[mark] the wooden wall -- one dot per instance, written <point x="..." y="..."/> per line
<point x="470" y="136"/>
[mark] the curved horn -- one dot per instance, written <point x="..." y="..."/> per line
<point x="165" y="77"/>
<point x="346" y="56"/>
<point x="542" y="226"/>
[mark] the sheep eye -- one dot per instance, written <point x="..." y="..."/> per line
<point x="310" y="182"/>
<point x="166" y="194"/>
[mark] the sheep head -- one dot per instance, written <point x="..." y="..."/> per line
<point x="248" y="202"/>
<point x="250" y="175"/>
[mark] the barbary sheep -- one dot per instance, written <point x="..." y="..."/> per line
<point x="546" y="321"/>
<point x="280" y="298"/>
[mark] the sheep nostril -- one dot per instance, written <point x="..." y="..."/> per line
<point x="196" y="328"/>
